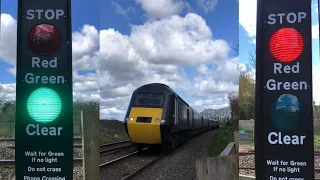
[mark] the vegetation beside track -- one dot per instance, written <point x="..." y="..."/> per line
<point x="221" y="139"/>
<point x="317" y="140"/>
<point x="111" y="131"/>
<point x="250" y="141"/>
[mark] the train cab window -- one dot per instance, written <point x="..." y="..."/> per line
<point x="148" y="99"/>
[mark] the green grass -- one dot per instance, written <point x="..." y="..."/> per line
<point x="317" y="140"/>
<point x="110" y="128"/>
<point x="250" y="141"/>
<point x="108" y="136"/>
<point x="220" y="140"/>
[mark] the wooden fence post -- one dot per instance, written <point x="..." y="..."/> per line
<point x="91" y="144"/>
<point x="201" y="169"/>
<point x="223" y="168"/>
<point x="236" y="141"/>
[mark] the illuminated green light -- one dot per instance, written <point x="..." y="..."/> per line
<point x="44" y="105"/>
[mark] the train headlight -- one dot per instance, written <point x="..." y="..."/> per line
<point x="162" y="121"/>
<point x="131" y="119"/>
<point x="157" y="120"/>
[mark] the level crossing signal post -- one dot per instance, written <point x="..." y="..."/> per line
<point x="284" y="140"/>
<point x="44" y="113"/>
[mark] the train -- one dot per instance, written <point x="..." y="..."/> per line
<point x="157" y="116"/>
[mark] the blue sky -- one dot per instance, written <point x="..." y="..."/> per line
<point x="223" y="23"/>
<point x="201" y="31"/>
<point x="82" y="13"/>
<point x="121" y="15"/>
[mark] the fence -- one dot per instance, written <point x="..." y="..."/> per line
<point x="223" y="167"/>
<point x="88" y="129"/>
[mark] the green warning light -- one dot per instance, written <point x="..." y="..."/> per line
<point x="44" y="105"/>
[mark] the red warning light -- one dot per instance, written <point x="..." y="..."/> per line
<point x="44" y="39"/>
<point x="286" y="44"/>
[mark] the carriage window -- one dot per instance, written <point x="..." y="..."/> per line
<point x="148" y="99"/>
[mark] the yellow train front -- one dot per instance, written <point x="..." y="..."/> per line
<point x="157" y="116"/>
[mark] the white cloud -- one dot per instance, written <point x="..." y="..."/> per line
<point x="185" y="40"/>
<point x="316" y="83"/>
<point x="158" y="51"/>
<point x="85" y="48"/>
<point x="207" y="5"/>
<point x="158" y="9"/>
<point x="8" y="39"/>
<point x="248" y="16"/>
<point x="214" y="103"/>
<point x="315" y="31"/>
<point x="8" y="91"/>
<point x="121" y="10"/>
<point x="85" y="52"/>
<point x="315" y="5"/>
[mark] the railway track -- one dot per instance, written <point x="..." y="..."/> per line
<point x="125" y="159"/>
<point x="136" y="172"/>
<point x="110" y="148"/>
<point x="118" y="159"/>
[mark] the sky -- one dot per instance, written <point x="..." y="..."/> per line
<point x="121" y="45"/>
<point x="188" y="45"/>
<point x="247" y="32"/>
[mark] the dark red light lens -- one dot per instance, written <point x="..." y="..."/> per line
<point x="44" y="40"/>
<point x="286" y="44"/>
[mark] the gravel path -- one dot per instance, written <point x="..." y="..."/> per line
<point x="180" y="164"/>
<point x="7" y="153"/>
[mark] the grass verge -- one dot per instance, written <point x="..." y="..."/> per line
<point x="221" y="139"/>
<point x="317" y="140"/>
<point x="250" y="141"/>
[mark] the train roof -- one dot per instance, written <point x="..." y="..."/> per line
<point x="156" y="86"/>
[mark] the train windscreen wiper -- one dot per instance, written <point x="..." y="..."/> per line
<point x="142" y="102"/>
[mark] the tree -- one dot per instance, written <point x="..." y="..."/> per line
<point x="8" y="112"/>
<point x="234" y="105"/>
<point x="84" y="106"/>
<point x="246" y="96"/>
<point x="252" y="58"/>
<point x="236" y="49"/>
<point x="3" y="94"/>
